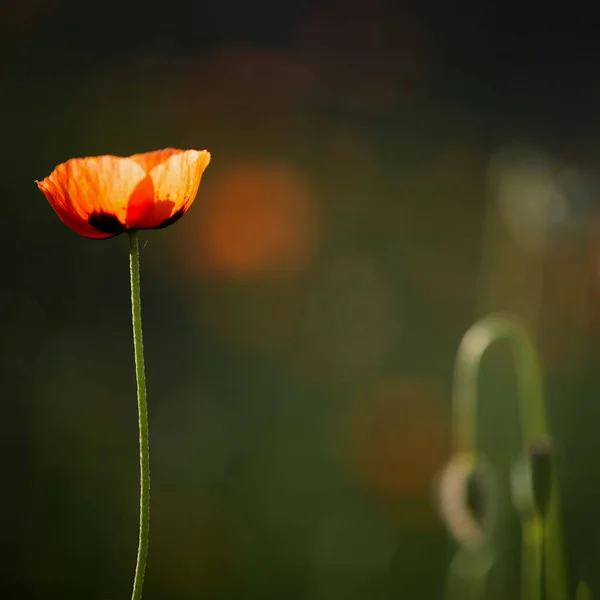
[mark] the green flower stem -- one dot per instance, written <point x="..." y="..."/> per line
<point x="140" y="376"/>
<point x="542" y="539"/>
<point x="583" y="592"/>
<point x="466" y="374"/>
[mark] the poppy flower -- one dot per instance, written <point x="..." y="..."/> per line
<point x="100" y="197"/>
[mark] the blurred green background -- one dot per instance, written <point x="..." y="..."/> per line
<point x="383" y="173"/>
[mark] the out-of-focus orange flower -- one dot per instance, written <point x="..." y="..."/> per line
<point x="102" y="196"/>
<point x="399" y="438"/>
<point x="258" y="219"/>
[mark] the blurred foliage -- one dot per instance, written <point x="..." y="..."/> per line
<point x="301" y="321"/>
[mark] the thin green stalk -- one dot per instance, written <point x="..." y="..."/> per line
<point x="466" y="377"/>
<point x="542" y="537"/>
<point x="140" y="376"/>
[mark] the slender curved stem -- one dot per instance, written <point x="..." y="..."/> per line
<point x="541" y="536"/>
<point x="140" y="376"/>
<point x="474" y="344"/>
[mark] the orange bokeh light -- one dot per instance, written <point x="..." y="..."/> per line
<point x="400" y="438"/>
<point x="256" y="219"/>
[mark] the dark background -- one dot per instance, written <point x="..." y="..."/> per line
<point x="302" y="320"/>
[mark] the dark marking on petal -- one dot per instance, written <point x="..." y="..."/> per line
<point x="172" y="219"/>
<point x="106" y="223"/>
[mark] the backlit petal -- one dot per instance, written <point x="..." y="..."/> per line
<point x="175" y="179"/>
<point x="90" y="195"/>
<point x="65" y="212"/>
<point x="149" y="160"/>
<point x="103" y="184"/>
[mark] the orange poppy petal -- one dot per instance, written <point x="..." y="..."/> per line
<point x="103" y="184"/>
<point x="94" y="190"/>
<point x="65" y="212"/>
<point x="149" y="160"/>
<point x="169" y="190"/>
